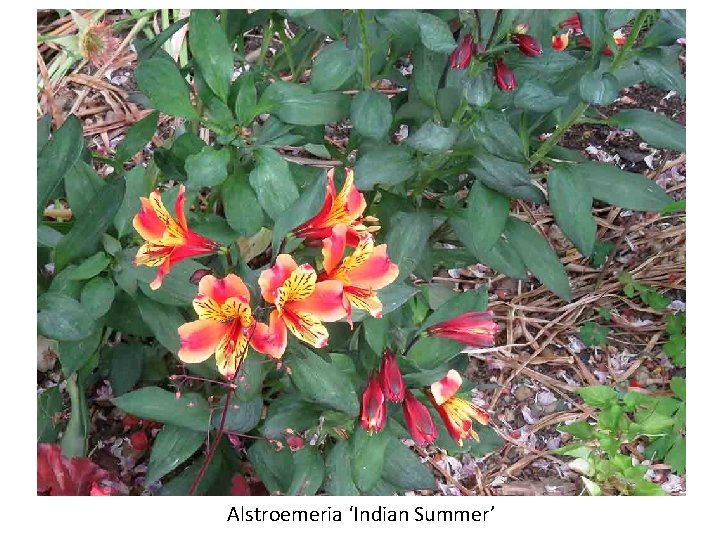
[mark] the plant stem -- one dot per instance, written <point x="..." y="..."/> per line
<point x="479" y="24"/>
<point x="496" y="25"/>
<point x="579" y="111"/>
<point x="267" y="36"/>
<point x="221" y="427"/>
<point x="365" y="49"/>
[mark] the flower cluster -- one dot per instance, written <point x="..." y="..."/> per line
<point x="574" y="28"/>
<point x="299" y="298"/>
<point x="462" y="55"/>
<point x="473" y="328"/>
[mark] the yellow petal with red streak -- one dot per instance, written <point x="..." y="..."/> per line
<point x="272" y="279"/>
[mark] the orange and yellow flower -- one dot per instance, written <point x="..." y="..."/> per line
<point x="167" y="240"/>
<point x="225" y="326"/>
<point x="345" y="207"/>
<point x="366" y="270"/>
<point x="457" y="413"/>
<point x="301" y="303"/>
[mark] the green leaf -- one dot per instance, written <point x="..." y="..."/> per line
<point x="537" y="96"/>
<point x="656" y="129"/>
<point x="627" y="190"/>
<point x="599" y="88"/>
<point x="82" y="184"/>
<point x="49" y="404"/>
<point x="76" y="354"/>
<point x="97" y="296"/>
<point x="431" y="352"/>
<point x="408" y="236"/>
<point x="180" y="484"/>
<point x="478" y="90"/>
<point x="386" y="165"/>
<point x="296" y="104"/>
<point x="189" y="411"/>
<point x="126" y="362"/>
<point x="289" y="412"/>
<point x="74" y="439"/>
<point x="245" y="99"/>
<point x="403" y="468"/>
<point x="598" y="395"/>
<point x="539" y="257"/>
<point x="580" y="429"/>
<point x="63" y="318"/>
<point x="593" y="26"/>
<point x="471" y="300"/>
<point x="322" y="383"/>
<point x="176" y="289"/>
<point x="163" y="320"/>
<point x="211" y="51"/>
<point x="136" y="186"/>
<point x="677" y="385"/>
<point x="435" y="34"/>
<point x="338" y="475"/>
<point x="371" y="114"/>
<point x="138" y="135"/>
<point x="507" y="177"/>
<point x="90" y="267"/>
<point x="160" y="80"/>
<point x="273" y="183"/>
<point x="494" y="134"/>
<point x="571" y="203"/>
<point x="376" y="333"/>
<point x="302" y="209"/>
<point x="242" y="210"/>
<point x="676" y="455"/>
<point x="275" y="468"/>
<point x="486" y="215"/>
<point x="662" y="69"/>
<point x="550" y="67"/>
<point x="242" y="416"/>
<point x="86" y="233"/>
<point x="173" y="446"/>
<point x="593" y="335"/>
<point x="432" y="138"/>
<point x="207" y="168"/>
<point x="308" y="472"/>
<point x="428" y="67"/>
<point x="56" y="158"/>
<point x="368" y="456"/>
<point x="391" y="297"/>
<point x="43" y="131"/>
<point x="48" y="237"/>
<point x="333" y="66"/>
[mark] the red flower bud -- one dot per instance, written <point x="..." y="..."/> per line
<point x="572" y="22"/>
<point x="472" y="328"/>
<point x="527" y="44"/>
<point x="504" y="77"/>
<point x="139" y="441"/>
<point x="374" y="408"/>
<point x="418" y="419"/>
<point x="461" y="56"/>
<point x="197" y="275"/>
<point x="560" y="43"/>
<point x="391" y="379"/>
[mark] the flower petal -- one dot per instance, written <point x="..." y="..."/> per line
<point x="298" y="286"/>
<point x="306" y="327"/>
<point x="270" y="339"/>
<point x="173" y="234"/>
<point x="152" y="255"/>
<point x="147" y="223"/>
<point x="325" y="303"/>
<point x="271" y="279"/>
<point x="376" y="272"/>
<point x="364" y="299"/>
<point x="352" y="199"/>
<point x="334" y="248"/>
<point x="180" y="208"/>
<point x="231" y="350"/>
<point x="222" y="289"/>
<point x="163" y="270"/>
<point x="208" y="309"/>
<point x="199" y="339"/>
<point x="446" y="387"/>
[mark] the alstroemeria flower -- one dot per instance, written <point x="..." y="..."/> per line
<point x="457" y="413"/>
<point x="345" y="207"/>
<point x="167" y="240"/>
<point x="366" y="270"/>
<point x="391" y="379"/>
<point x="373" y="413"/>
<point x="302" y="303"/>
<point x="560" y="42"/>
<point x="418" y="420"/>
<point x="225" y="327"/>
<point x="475" y="328"/>
<point x="573" y="23"/>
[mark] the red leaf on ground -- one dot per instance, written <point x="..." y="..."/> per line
<point x="60" y="475"/>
